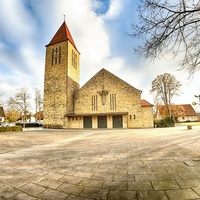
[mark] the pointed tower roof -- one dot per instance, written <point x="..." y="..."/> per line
<point x="63" y="34"/>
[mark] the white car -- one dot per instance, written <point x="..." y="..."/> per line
<point x="8" y="124"/>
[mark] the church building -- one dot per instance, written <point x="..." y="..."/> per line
<point x="105" y="101"/>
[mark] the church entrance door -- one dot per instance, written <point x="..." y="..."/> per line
<point x="117" y="122"/>
<point x="102" y="122"/>
<point x="87" y="122"/>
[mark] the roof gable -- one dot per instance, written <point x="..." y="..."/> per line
<point x="145" y="103"/>
<point x="63" y="34"/>
<point x="178" y="110"/>
<point x="103" y="76"/>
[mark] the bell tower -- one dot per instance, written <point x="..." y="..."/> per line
<point x="62" y="74"/>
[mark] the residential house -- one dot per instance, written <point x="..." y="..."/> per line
<point x="181" y="113"/>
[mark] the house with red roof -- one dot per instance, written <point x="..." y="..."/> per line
<point x="180" y="112"/>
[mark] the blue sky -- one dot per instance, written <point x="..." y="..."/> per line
<point x="99" y="29"/>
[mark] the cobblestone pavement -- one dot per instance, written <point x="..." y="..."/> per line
<point x="154" y="164"/>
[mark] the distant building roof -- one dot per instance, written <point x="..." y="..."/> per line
<point x="145" y="103"/>
<point x="2" y="114"/>
<point x="178" y="110"/>
<point x="189" y="110"/>
<point x="39" y="115"/>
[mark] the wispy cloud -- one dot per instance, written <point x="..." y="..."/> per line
<point x="99" y="29"/>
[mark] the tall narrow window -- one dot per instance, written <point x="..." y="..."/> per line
<point x="52" y="57"/>
<point x="59" y="58"/>
<point x="72" y="57"/>
<point x="56" y="56"/>
<point x="74" y="61"/>
<point x="112" y="101"/>
<point x="94" y="102"/>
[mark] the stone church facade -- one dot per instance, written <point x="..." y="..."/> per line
<point x="105" y="101"/>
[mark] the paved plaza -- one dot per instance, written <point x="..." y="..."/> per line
<point x="153" y="164"/>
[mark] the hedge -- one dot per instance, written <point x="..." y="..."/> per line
<point x="166" y="122"/>
<point x="10" y="128"/>
<point x="52" y="126"/>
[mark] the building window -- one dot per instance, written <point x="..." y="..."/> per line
<point x="52" y="57"/>
<point x="56" y="56"/>
<point x="94" y="102"/>
<point x="112" y="101"/>
<point x="59" y="56"/>
<point x="74" y="118"/>
<point x="74" y="59"/>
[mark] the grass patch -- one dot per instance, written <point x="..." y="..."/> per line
<point x="189" y="123"/>
<point x="10" y="128"/>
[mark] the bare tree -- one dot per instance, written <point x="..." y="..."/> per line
<point x="170" y="28"/>
<point x="38" y="100"/>
<point x="165" y="87"/>
<point x="21" y="101"/>
<point x="12" y="114"/>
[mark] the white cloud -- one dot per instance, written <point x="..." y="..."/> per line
<point x="114" y="10"/>
<point x="15" y="22"/>
<point x="101" y="40"/>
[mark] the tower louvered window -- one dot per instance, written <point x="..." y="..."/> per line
<point x="74" y="59"/>
<point x="56" y="56"/>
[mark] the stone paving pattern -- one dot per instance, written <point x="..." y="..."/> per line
<point x="153" y="164"/>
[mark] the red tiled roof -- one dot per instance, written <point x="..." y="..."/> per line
<point x="145" y="103"/>
<point x="189" y="110"/>
<point x="183" y="109"/>
<point x="63" y="34"/>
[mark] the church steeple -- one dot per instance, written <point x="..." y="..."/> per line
<point x="63" y="34"/>
<point x="62" y="75"/>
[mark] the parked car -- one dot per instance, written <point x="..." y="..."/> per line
<point x="8" y="124"/>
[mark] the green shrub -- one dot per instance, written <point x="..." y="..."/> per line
<point x="166" y="122"/>
<point x="10" y="128"/>
<point x="52" y="126"/>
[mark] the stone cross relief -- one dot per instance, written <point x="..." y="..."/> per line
<point x="103" y="94"/>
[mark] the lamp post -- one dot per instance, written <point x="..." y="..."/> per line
<point x="195" y="103"/>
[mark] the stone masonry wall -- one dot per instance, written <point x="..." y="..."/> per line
<point x="128" y="98"/>
<point x="58" y="86"/>
<point x="147" y="116"/>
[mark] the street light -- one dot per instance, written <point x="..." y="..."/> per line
<point x="195" y="103"/>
